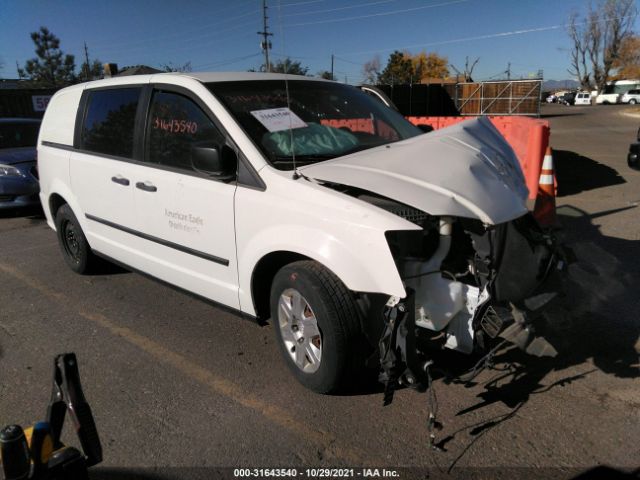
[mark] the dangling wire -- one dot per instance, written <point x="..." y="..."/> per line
<point x="432" y="401"/>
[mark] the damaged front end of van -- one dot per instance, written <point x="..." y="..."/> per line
<point x="478" y="272"/>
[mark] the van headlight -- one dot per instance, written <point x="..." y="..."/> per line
<point x="9" y="171"/>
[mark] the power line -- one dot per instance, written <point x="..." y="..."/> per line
<point x="295" y="4"/>
<point x="191" y="46"/>
<point x="468" y="39"/>
<point x="173" y="34"/>
<point x="338" y="8"/>
<point x="228" y="61"/>
<point x="360" y="64"/>
<point x="380" y="14"/>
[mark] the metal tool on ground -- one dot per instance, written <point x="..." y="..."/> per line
<point x="38" y="453"/>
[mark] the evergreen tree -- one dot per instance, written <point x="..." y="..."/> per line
<point x="51" y="67"/>
<point x="399" y="70"/>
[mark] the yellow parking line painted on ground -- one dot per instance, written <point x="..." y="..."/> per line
<point x="218" y="384"/>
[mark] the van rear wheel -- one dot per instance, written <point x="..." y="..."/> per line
<point x="317" y="326"/>
<point x="73" y="244"/>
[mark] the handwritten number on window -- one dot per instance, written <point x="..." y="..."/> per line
<point x="175" y="126"/>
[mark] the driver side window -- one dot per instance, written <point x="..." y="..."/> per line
<point x="175" y="126"/>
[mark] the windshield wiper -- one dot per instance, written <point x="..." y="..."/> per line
<point x="302" y="158"/>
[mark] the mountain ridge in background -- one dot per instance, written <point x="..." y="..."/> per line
<point x="549" y="85"/>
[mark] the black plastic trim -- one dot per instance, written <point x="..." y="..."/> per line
<point x="221" y="306"/>
<point x="121" y="181"/>
<point x="145" y="187"/>
<point x="160" y="241"/>
<point x="80" y="114"/>
<point x="61" y="146"/>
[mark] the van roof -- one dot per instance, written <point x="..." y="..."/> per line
<point x="204" y="77"/>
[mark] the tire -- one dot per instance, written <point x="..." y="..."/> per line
<point x="73" y="244"/>
<point x="633" y="101"/>
<point x="333" y="352"/>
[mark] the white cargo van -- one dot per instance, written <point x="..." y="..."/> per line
<point x="583" y="98"/>
<point x="300" y="200"/>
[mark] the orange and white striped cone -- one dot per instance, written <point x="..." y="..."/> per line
<point x="545" y="207"/>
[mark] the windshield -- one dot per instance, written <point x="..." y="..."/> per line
<point x="18" y="134"/>
<point x="321" y="120"/>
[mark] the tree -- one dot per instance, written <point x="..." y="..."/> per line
<point x="92" y="71"/>
<point x="578" y="53"/>
<point x="597" y="40"/>
<point x="325" y="74"/>
<point x="403" y="67"/>
<point x="170" y="67"/>
<point x="51" y="67"/>
<point x="371" y="70"/>
<point x="399" y="70"/>
<point x="428" y="65"/>
<point x="288" y="66"/>
<point x="627" y="64"/>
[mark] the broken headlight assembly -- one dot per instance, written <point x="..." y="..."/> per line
<point x="471" y="287"/>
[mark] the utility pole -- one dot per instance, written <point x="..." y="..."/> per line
<point x="86" y="59"/>
<point x="508" y="71"/>
<point x="332" y="67"/>
<point x="18" y="70"/>
<point x="265" y="43"/>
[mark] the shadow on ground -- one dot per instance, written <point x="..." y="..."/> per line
<point x="554" y="115"/>
<point x="576" y="173"/>
<point x="32" y="213"/>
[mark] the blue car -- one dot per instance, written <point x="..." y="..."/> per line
<point x="18" y="169"/>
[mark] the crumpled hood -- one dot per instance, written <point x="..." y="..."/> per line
<point x="13" y="156"/>
<point x="466" y="170"/>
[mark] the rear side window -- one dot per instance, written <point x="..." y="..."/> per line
<point x="176" y="125"/>
<point x="109" y="121"/>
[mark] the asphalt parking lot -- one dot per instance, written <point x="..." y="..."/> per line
<point x="176" y="382"/>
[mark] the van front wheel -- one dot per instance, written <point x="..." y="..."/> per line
<point x="316" y="324"/>
<point x="75" y="248"/>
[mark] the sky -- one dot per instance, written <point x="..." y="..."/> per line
<point x="219" y="35"/>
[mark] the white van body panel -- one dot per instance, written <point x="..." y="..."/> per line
<point x="199" y="214"/>
<point x="344" y="234"/>
<point x="605" y="98"/>
<point x="64" y="106"/>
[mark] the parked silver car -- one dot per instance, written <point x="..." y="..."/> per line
<point x="632" y="97"/>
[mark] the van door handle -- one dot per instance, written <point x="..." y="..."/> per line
<point x="121" y="180"/>
<point x="146" y="186"/>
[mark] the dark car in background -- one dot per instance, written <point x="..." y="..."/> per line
<point x="18" y="169"/>
<point x="568" y="98"/>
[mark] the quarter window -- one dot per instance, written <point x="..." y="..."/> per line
<point x="176" y="125"/>
<point x="110" y="120"/>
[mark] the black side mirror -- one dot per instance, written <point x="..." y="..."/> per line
<point x="214" y="162"/>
